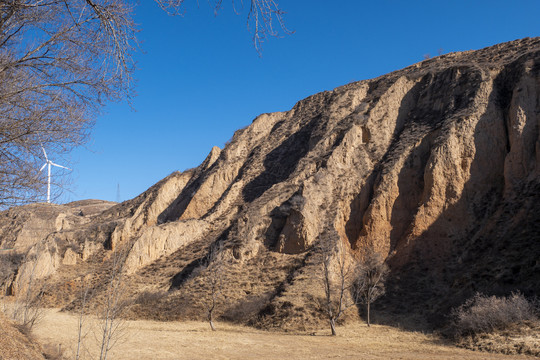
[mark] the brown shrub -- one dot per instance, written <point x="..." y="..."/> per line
<point x="147" y="297"/>
<point x="485" y="314"/>
<point x="24" y="329"/>
<point x="53" y="352"/>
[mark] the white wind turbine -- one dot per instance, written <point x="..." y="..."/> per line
<point x="48" y="163"/>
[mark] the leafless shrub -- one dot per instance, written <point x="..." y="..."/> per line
<point x="484" y="314"/>
<point x="247" y="310"/>
<point x="148" y="297"/>
<point x="23" y="329"/>
<point x="27" y="310"/>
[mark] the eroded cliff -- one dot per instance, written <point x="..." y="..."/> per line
<point x="436" y="167"/>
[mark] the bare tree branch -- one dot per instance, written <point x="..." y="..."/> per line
<point x="60" y="62"/>
<point x="263" y="17"/>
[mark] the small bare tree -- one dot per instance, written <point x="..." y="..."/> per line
<point x="372" y="273"/>
<point x="85" y="294"/>
<point x="212" y="273"/>
<point x="111" y="322"/>
<point x="338" y="278"/>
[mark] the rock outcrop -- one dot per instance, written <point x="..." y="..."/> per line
<point x="436" y="167"/>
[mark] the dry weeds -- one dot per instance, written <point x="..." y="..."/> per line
<point x="194" y="340"/>
<point x="15" y="345"/>
<point x="522" y="338"/>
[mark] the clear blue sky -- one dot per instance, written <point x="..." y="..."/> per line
<point x="200" y="79"/>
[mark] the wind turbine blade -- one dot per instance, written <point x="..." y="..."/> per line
<point x="63" y="167"/>
<point x="43" y="167"/>
<point x="44" y="153"/>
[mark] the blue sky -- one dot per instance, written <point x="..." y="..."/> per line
<point x="200" y="79"/>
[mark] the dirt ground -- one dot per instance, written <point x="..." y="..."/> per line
<point x="194" y="340"/>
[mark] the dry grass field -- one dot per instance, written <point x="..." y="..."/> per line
<point x="142" y="339"/>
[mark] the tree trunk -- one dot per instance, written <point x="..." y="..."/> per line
<point x="368" y="320"/>
<point x="333" y="326"/>
<point x="211" y="320"/>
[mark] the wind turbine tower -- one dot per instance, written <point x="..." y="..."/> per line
<point x="48" y="163"/>
<point x="118" y="198"/>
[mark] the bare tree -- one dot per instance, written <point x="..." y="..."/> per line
<point x="372" y="273"/>
<point x="60" y="62"/>
<point x="212" y="274"/>
<point x="111" y="322"/>
<point x="81" y="335"/>
<point x="338" y="277"/>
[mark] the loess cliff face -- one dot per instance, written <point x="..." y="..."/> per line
<point x="436" y="167"/>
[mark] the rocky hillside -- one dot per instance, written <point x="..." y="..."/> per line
<point x="436" y="167"/>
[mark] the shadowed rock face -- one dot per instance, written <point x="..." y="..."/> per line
<point x="436" y="167"/>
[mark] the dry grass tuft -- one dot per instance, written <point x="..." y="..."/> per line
<point x="523" y="338"/>
<point x="507" y="325"/>
<point x="15" y="345"/>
